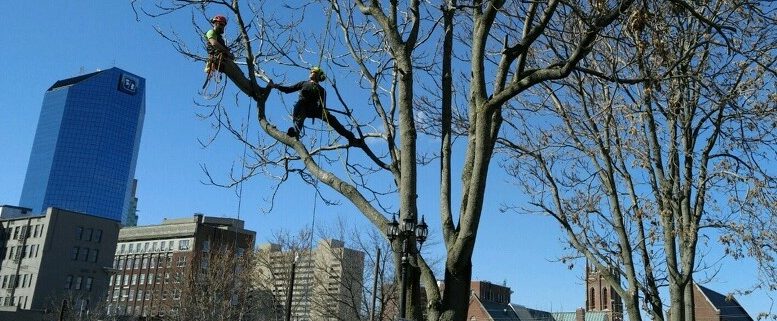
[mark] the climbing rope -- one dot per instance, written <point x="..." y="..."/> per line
<point x="324" y="38"/>
<point x="243" y="170"/>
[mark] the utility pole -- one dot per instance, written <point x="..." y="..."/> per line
<point x="375" y="285"/>
<point x="291" y="288"/>
<point x="63" y="310"/>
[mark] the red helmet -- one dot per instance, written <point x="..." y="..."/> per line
<point x="220" y="19"/>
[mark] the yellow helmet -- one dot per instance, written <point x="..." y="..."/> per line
<point x="319" y="72"/>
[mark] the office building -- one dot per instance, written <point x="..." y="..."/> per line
<point x="86" y="145"/>
<point x="328" y="281"/>
<point x="132" y="214"/>
<point x="47" y="258"/>
<point x="154" y="264"/>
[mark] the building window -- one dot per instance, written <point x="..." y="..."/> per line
<point x="122" y="248"/>
<point x="98" y="235"/>
<point x="183" y="245"/>
<point x="592" y="301"/>
<point x="170" y="245"/>
<point x="604" y="300"/>
<point x="77" y="285"/>
<point x="94" y="255"/>
<point x="162" y="246"/>
<point x="88" y="236"/>
<point x="145" y="263"/>
<point x="79" y="233"/>
<point x="129" y="263"/>
<point x="131" y="248"/>
<point x="155" y="246"/>
<point x="74" y="253"/>
<point x="145" y="247"/>
<point x="88" y="285"/>
<point x="86" y="254"/>
<point x="68" y="282"/>
<point x="181" y="261"/>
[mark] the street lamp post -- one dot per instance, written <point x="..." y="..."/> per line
<point x="405" y="233"/>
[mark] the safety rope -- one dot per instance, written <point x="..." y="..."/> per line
<point x="243" y="170"/>
<point x="324" y="38"/>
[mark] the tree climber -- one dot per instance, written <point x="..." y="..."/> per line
<point x="312" y="104"/>
<point x="220" y="58"/>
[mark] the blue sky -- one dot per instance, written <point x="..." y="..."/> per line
<point x="61" y="39"/>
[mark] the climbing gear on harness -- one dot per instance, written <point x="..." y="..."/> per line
<point x="212" y="66"/>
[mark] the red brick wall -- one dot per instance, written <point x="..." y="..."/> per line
<point x="475" y="312"/>
<point x="703" y="310"/>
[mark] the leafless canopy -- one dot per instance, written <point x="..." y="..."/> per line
<point x="557" y="72"/>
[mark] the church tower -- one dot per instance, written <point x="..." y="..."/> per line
<point x="600" y="296"/>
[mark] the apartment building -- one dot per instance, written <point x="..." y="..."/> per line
<point x="328" y="281"/>
<point x="152" y="262"/>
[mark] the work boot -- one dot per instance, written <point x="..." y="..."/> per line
<point x="292" y="132"/>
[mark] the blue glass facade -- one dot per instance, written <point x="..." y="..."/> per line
<point x="86" y="145"/>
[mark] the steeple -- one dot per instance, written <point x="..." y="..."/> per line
<point x="600" y="295"/>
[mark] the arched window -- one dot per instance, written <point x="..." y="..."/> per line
<point x="592" y="300"/>
<point x="604" y="299"/>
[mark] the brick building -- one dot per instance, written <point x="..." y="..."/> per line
<point x="713" y="306"/>
<point x="152" y="262"/>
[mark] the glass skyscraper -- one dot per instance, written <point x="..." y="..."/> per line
<point x="86" y="145"/>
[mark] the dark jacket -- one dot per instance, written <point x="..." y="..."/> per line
<point x="312" y="97"/>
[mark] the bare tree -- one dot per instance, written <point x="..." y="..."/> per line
<point x="218" y="286"/>
<point x="666" y="138"/>
<point x="272" y="272"/>
<point x="406" y="57"/>
<point x="74" y="306"/>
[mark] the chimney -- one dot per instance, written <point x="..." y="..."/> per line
<point x="580" y="314"/>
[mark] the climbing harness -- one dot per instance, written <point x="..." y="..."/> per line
<point x="212" y="67"/>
